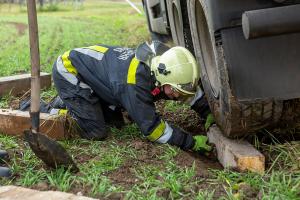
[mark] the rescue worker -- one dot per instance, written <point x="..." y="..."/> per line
<point x="96" y="82"/>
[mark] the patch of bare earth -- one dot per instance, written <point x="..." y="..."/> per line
<point x="186" y="119"/>
<point x="21" y="27"/>
<point x="147" y="154"/>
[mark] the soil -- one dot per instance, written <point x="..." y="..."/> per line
<point x="186" y="119"/>
<point x="21" y="27"/>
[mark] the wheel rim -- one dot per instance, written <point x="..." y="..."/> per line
<point x="207" y="50"/>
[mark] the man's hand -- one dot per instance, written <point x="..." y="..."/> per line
<point x="201" y="144"/>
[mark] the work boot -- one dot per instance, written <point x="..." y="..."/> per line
<point x="3" y="156"/>
<point x="5" y="172"/>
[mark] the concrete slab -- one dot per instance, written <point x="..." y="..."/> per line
<point x="18" y="84"/>
<point x="237" y="154"/>
<point x="20" y="193"/>
<point x="14" y="122"/>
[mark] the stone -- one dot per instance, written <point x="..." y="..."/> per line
<point x="236" y="153"/>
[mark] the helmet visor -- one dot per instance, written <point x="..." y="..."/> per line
<point x="184" y="89"/>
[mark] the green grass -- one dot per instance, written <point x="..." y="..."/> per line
<point x="157" y="178"/>
<point x="173" y="106"/>
<point x="65" y="29"/>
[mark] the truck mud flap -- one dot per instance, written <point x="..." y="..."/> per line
<point x="263" y="68"/>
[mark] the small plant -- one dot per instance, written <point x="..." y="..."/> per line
<point x="61" y="179"/>
<point x="173" y="106"/>
<point x="205" y="195"/>
<point x="31" y="177"/>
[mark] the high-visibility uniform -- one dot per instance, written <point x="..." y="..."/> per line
<point x="89" y="77"/>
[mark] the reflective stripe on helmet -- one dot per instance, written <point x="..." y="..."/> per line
<point x="68" y="64"/>
<point x="131" y="79"/>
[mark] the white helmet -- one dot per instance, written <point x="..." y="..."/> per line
<point x="177" y="67"/>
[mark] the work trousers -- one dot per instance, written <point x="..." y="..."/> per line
<point x="92" y="114"/>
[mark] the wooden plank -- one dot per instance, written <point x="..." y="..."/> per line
<point x="14" y="122"/>
<point x="237" y="154"/>
<point x="21" y="83"/>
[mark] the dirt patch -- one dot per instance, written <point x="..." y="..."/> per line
<point x="21" y="27"/>
<point x="184" y="118"/>
<point x="202" y="164"/>
<point x="124" y="175"/>
<point x="147" y="154"/>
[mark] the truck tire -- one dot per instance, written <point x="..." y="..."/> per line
<point x="179" y="24"/>
<point x="235" y="118"/>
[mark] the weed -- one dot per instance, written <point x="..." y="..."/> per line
<point x="278" y="185"/>
<point x="61" y="179"/>
<point x="205" y="195"/>
<point x="48" y="94"/>
<point x="173" y="106"/>
<point x="31" y="177"/>
<point x="169" y="152"/>
<point x="130" y="131"/>
<point x="8" y="142"/>
<point x="5" y="100"/>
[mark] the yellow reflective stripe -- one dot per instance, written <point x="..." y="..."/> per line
<point x="131" y="79"/>
<point x="98" y="48"/>
<point x="158" y="132"/>
<point x="67" y="63"/>
<point x="62" y="111"/>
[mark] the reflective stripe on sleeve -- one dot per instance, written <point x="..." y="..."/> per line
<point x="131" y="78"/>
<point x="97" y="48"/>
<point x="91" y="53"/>
<point x="68" y="64"/>
<point x="157" y="132"/>
<point x="167" y="134"/>
<point x="96" y="52"/>
<point x="63" y="71"/>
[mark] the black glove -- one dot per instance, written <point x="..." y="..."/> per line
<point x="182" y="139"/>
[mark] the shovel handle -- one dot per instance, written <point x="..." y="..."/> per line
<point x="35" y="64"/>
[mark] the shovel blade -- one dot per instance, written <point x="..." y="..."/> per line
<point x="49" y="151"/>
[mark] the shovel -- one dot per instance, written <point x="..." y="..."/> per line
<point x="45" y="148"/>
